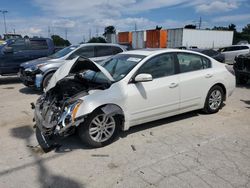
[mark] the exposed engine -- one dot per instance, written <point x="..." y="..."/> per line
<point x="56" y="107"/>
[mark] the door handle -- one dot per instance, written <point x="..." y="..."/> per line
<point x="173" y="85"/>
<point x="208" y="76"/>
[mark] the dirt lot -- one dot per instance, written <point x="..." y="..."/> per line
<point x="189" y="150"/>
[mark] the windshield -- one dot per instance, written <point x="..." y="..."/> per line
<point x="63" y="52"/>
<point x="118" y="67"/>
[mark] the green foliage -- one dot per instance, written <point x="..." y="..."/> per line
<point x="59" y="41"/>
<point x="109" y="30"/>
<point x="97" y="40"/>
<point x="190" y="26"/>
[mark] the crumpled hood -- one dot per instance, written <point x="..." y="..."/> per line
<point x="74" y="66"/>
<point x="34" y="62"/>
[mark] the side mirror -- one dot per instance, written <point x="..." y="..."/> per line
<point x="8" y="50"/>
<point x="143" y="78"/>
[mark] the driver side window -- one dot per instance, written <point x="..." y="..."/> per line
<point x="159" y="66"/>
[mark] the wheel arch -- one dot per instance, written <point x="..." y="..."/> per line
<point x="224" y="90"/>
<point x="110" y="109"/>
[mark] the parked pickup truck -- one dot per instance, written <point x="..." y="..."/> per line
<point x="16" y="51"/>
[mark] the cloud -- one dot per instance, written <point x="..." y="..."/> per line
<point x="232" y="18"/>
<point x="216" y="7"/>
<point x="82" y="18"/>
<point x="34" y="31"/>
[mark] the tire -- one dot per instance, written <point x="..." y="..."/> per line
<point x="45" y="142"/>
<point x="46" y="80"/>
<point x="214" y="100"/>
<point x="98" y="127"/>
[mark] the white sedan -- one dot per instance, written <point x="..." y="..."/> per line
<point x="129" y="89"/>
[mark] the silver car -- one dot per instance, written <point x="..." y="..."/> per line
<point x="230" y="52"/>
<point x="37" y="73"/>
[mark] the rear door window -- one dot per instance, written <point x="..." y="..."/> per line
<point x="116" y="50"/>
<point x="86" y="51"/>
<point x="103" y="51"/>
<point x="192" y="62"/>
<point x="38" y="45"/>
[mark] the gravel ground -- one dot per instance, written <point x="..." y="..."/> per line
<point x="188" y="150"/>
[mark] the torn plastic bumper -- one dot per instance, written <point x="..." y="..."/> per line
<point x="49" y="123"/>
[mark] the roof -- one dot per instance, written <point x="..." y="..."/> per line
<point x="151" y="51"/>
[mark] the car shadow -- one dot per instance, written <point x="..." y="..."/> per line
<point x="157" y="123"/>
<point x="4" y="80"/>
<point x="73" y="142"/>
<point x="46" y="177"/>
<point x="30" y="91"/>
<point x="246" y="102"/>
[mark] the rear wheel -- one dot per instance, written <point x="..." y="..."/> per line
<point x="99" y="129"/>
<point x="214" y="100"/>
<point x="46" y="80"/>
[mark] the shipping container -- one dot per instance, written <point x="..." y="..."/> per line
<point x="201" y="38"/>
<point x="111" y="38"/>
<point x="156" y="38"/>
<point x="125" y="38"/>
<point x="138" y="39"/>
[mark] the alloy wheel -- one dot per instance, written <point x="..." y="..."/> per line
<point x="102" y="128"/>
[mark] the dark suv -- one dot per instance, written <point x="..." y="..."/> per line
<point x="16" y="51"/>
<point x="242" y="68"/>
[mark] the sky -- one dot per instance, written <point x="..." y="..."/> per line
<point x="80" y="19"/>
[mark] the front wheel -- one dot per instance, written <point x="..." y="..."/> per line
<point x="214" y="100"/>
<point x="99" y="129"/>
<point x="44" y="141"/>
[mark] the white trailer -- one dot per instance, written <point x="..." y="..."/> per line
<point x="111" y="38"/>
<point x="201" y="38"/>
<point x="138" y="39"/>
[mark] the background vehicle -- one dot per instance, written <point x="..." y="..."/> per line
<point x="212" y="53"/>
<point x="17" y="51"/>
<point x="231" y="52"/>
<point x="129" y="88"/>
<point x="38" y="72"/>
<point x="242" y="68"/>
<point x="11" y="36"/>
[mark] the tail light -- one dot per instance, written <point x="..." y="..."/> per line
<point x="230" y="69"/>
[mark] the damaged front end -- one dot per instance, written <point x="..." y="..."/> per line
<point x="56" y="110"/>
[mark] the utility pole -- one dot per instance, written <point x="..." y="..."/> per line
<point x="135" y="26"/>
<point x="4" y="12"/>
<point x="200" y="22"/>
<point x="66" y="34"/>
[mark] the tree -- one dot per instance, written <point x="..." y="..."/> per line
<point x="190" y="26"/>
<point x="97" y="40"/>
<point x="59" y="41"/>
<point x="158" y="27"/>
<point x="109" y="30"/>
<point x="246" y="29"/>
<point x="232" y="27"/>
